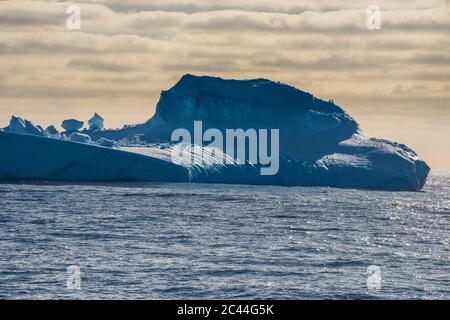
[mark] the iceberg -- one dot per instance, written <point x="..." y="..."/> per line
<point x="26" y="157"/>
<point x="23" y="126"/>
<point x="51" y="130"/>
<point x="72" y="125"/>
<point x="96" y="123"/>
<point x="80" y="137"/>
<point x="319" y="143"/>
<point x="105" y="142"/>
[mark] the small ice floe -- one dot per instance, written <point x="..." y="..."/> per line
<point x="80" y="137"/>
<point x="96" y="123"/>
<point x="72" y="125"/>
<point x="105" y="142"/>
<point x="51" y="131"/>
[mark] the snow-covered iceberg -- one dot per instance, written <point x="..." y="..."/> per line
<point x="79" y="137"/>
<point x="72" y="125"/>
<point x="51" y="131"/>
<point x="25" y="157"/>
<point x="96" y="123"/>
<point x="23" y="126"/>
<point x="320" y="144"/>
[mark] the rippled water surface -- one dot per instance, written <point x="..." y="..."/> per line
<point x="152" y="240"/>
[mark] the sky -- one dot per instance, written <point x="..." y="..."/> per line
<point x="395" y="80"/>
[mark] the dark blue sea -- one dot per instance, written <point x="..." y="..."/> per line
<point x="199" y="241"/>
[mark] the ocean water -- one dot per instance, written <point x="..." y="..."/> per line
<point x="170" y="241"/>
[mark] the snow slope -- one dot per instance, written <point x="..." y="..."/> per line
<point x="320" y="144"/>
<point x="33" y="157"/>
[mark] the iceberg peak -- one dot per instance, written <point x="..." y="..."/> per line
<point x="240" y="102"/>
<point x="23" y="126"/>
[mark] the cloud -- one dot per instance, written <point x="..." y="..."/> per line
<point x="128" y="46"/>
<point x="204" y="65"/>
<point x="18" y="15"/>
<point x="75" y="43"/>
<point x="62" y="92"/>
<point x="280" y="6"/>
<point x="430" y="59"/>
<point x="129" y="50"/>
<point x="333" y="62"/>
<point x="97" y="65"/>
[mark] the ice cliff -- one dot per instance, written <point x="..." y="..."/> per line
<point x="320" y="144"/>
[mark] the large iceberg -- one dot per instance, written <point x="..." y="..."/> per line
<point x="319" y="143"/>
